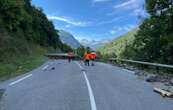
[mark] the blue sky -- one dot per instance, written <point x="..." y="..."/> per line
<point x="93" y="19"/>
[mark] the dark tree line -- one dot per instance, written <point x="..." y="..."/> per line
<point x="21" y="25"/>
<point x="20" y="17"/>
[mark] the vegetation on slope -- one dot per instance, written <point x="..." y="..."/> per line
<point x="23" y="64"/>
<point x="117" y="46"/>
<point x="25" y="36"/>
<point x="153" y="42"/>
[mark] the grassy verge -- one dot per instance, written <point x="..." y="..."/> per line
<point x="22" y="65"/>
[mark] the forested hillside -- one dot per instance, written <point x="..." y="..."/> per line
<point x="25" y="35"/>
<point x="117" y="46"/>
<point x="154" y="40"/>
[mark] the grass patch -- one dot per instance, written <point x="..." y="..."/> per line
<point x="22" y="65"/>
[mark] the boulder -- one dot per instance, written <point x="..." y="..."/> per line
<point x="153" y="79"/>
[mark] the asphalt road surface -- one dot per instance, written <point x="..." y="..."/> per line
<point x="73" y="86"/>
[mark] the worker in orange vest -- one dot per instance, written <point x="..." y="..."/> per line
<point x="93" y="57"/>
<point x="87" y="57"/>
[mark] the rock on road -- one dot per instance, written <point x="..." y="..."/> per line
<point x="73" y="86"/>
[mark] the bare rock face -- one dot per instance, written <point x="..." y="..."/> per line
<point x="69" y="39"/>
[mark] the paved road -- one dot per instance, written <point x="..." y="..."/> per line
<point x="73" y="86"/>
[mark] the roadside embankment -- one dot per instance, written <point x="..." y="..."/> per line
<point x="22" y="64"/>
<point x="163" y="80"/>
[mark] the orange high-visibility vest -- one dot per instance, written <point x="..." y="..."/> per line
<point x="87" y="56"/>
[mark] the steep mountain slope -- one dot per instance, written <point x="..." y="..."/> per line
<point x="25" y="36"/>
<point x="68" y="39"/>
<point x="118" y="45"/>
<point x="94" y="44"/>
<point x="21" y="26"/>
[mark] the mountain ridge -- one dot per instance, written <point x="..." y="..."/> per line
<point x="68" y="39"/>
<point x="94" y="44"/>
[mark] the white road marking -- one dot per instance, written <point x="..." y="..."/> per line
<point x="129" y="71"/>
<point x="91" y="95"/>
<point x="79" y="65"/>
<point x="92" y="99"/>
<point x="45" y="67"/>
<point x="19" y="80"/>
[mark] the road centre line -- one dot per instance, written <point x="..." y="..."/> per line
<point x="91" y="95"/>
<point x="79" y="65"/>
<point x="19" y="80"/>
<point x="92" y="99"/>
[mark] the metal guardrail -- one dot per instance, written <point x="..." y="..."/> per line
<point x="143" y="63"/>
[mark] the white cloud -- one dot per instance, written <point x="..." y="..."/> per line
<point x="128" y="4"/>
<point x="67" y="26"/>
<point x="110" y="21"/>
<point x="135" y="6"/>
<point x="113" y="31"/>
<point x="117" y="30"/>
<point x="69" y="21"/>
<point x="140" y="12"/>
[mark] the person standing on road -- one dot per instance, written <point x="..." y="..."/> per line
<point x="70" y="56"/>
<point x="87" y="57"/>
<point x="93" y="57"/>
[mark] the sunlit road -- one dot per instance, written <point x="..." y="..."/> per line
<point x="73" y="86"/>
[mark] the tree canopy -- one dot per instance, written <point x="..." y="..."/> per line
<point x="22" y="25"/>
<point x="154" y="40"/>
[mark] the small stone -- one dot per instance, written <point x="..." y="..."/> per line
<point x="171" y="81"/>
<point x="53" y="68"/>
<point x="167" y="84"/>
<point x="152" y="79"/>
<point x="171" y="89"/>
<point x="1" y="92"/>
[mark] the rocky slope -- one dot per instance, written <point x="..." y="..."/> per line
<point x="68" y="39"/>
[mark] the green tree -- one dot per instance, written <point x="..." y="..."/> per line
<point x="81" y="50"/>
<point x="154" y="40"/>
<point x="23" y="25"/>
